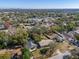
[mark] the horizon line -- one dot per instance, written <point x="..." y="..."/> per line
<point x="39" y="8"/>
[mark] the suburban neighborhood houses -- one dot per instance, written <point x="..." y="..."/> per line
<point x="39" y="34"/>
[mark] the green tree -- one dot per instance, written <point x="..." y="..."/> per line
<point x="71" y="26"/>
<point x="3" y="40"/>
<point x="26" y="53"/>
<point x="56" y="28"/>
<point x="20" y="36"/>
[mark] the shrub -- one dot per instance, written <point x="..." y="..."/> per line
<point x="26" y="53"/>
<point x="44" y="50"/>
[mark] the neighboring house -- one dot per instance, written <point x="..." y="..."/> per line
<point x="11" y="30"/>
<point x="69" y="37"/>
<point x="7" y="24"/>
<point x="76" y="32"/>
<point x="29" y="27"/>
<point x="30" y="22"/>
<point x="59" y="38"/>
<point x="71" y="33"/>
<point x="72" y="40"/>
<point x="45" y="42"/>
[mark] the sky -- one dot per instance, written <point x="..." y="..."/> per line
<point x="39" y="4"/>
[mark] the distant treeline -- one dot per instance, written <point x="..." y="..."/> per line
<point x="40" y="10"/>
